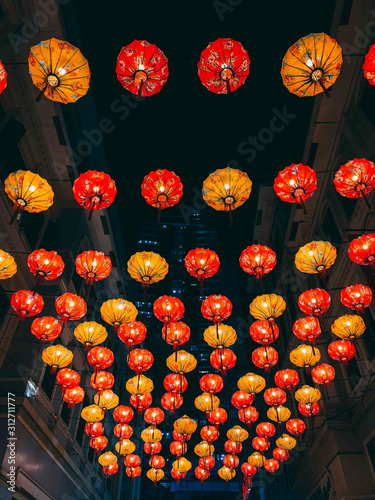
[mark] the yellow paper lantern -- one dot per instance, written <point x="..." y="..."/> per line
<point x="251" y="383"/>
<point x="226" y="473"/>
<point x="279" y="414"/>
<point x="181" y="362"/>
<point x="305" y="356"/>
<point x="185" y="426"/>
<point x="155" y="474"/>
<point x="204" y="449"/>
<point x="182" y="465"/>
<point x="207" y="402"/>
<point x="57" y="356"/>
<point x="237" y="434"/>
<point x="151" y="435"/>
<point x="147" y="268"/>
<point x="267" y="307"/>
<point x="106" y="400"/>
<point x="92" y="414"/>
<point x="139" y="385"/>
<point x="59" y="70"/>
<point x="8" y="267"/>
<point x="315" y="257"/>
<point x="125" y="447"/>
<point x="286" y="442"/>
<point x="220" y="336"/>
<point x="90" y="334"/>
<point x="307" y="395"/>
<point x="349" y="326"/>
<point x="256" y="459"/>
<point x="118" y="312"/>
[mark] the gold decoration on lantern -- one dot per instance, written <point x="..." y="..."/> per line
<point x="207" y="402"/>
<point x="348" y="327"/>
<point x="181" y="362"/>
<point x="267" y="307"/>
<point x="315" y="257"/>
<point x="147" y="268"/>
<point x="203" y="449"/>
<point x="92" y="414"/>
<point x="139" y="385"/>
<point x="307" y="395"/>
<point x="226" y="473"/>
<point x="182" y="465"/>
<point x="220" y="336"/>
<point x="286" y="442"/>
<point x="8" y="267"/>
<point x="155" y="474"/>
<point x="57" y="356"/>
<point x="257" y="459"/>
<point x="279" y="413"/>
<point x="90" y="333"/>
<point x="106" y="400"/>
<point x="151" y="435"/>
<point x="125" y="447"/>
<point x="107" y="459"/>
<point x="251" y="383"/>
<point x="185" y="425"/>
<point x="118" y="312"/>
<point x="305" y="356"/>
<point x="237" y="434"/>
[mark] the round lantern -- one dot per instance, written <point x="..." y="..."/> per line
<point x="369" y="66"/>
<point x="177" y="475"/>
<point x="265" y="357"/>
<point x="349" y="327"/>
<point x="70" y="307"/>
<point x="237" y="434"/>
<point x="220" y="335"/>
<point x="207" y="462"/>
<point x="278" y="414"/>
<point x="168" y="309"/>
<point x="178" y="448"/>
<point x="223" y="359"/>
<point x="176" y="334"/>
<point x="201" y="474"/>
<point x="106" y="400"/>
<point x="45" y="265"/>
<point x="154" y="416"/>
<point x="280" y="454"/>
<point x="323" y="374"/>
<point x="307" y="395"/>
<point x="93" y="266"/>
<point x="123" y="414"/>
<point x="256" y="459"/>
<point x="162" y="189"/>
<point x="171" y="401"/>
<point x="157" y="461"/>
<point x="110" y="470"/>
<point x="92" y="414"/>
<point x="132" y="460"/>
<point x="204" y="449"/>
<point x="356" y="179"/>
<point x="265" y="430"/>
<point x="341" y="350"/>
<point x="57" y="356"/>
<point x="231" y="461"/>
<point x="102" y="381"/>
<point x="123" y="431"/>
<point x="107" y="459"/>
<point x="147" y="268"/>
<point x="264" y="332"/>
<point x="118" y="312"/>
<point x="90" y="334"/>
<point x="271" y="465"/>
<point x="267" y="307"/>
<point x="151" y="435"/>
<point x="286" y="379"/>
<point x="175" y="382"/>
<point x="251" y="383"/>
<point x="211" y="383"/>
<point x="307" y="328"/>
<point x="202" y="264"/>
<point x="141" y="402"/>
<point x="232" y="446"/>
<point x="140" y="360"/>
<point x="286" y="442"/>
<point x="139" y="385"/>
<point x="305" y="356"/>
<point x="94" y="190"/>
<point x="260" y="444"/>
<point x="274" y="396"/>
<point x="362" y="250"/>
<point x="182" y="464"/>
<point x="295" y="426"/>
<point x="73" y="395"/>
<point x="295" y="184"/>
<point x="242" y="399"/>
<point x="315" y="258"/>
<point x="94" y="430"/>
<point x="132" y="333"/>
<point x="185" y="426"/>
<point x="133" y="472"/>
<point x="26" y="304"/>
<point x="217" y="417"/>
<point x="155" y="475"/>
<point x="216" y="308"/>
<point x="100" y="358"/>
<point x="226" y="473"/>
<point x="308" y="410"/>
<point x="258" y="260"/>
<point x="8" y="267"/>
<point x="209" y="433"/>
<point x="181" y="362"/>
<point x="314" y="302"/>
<point x="248" y="415"/>
<point x="3" y="78"/>
<point x="357" y="297"/>
<point x="67" y="379"/>
<point x="125" y="447"/>
<point x="206" y="402"/>
<point x="46" y="328"/>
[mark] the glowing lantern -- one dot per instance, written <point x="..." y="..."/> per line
<point x="274" y="396"/>
<point x="356" y="179"/>
<point x="314" y="302"/>
<point x="141" y="402"/>
<point x="182" y="362"/>
<point x="181" y="437"/>
<point x="70" y="307"/>
<point x="362" y="250"/>
<point x="267" y="307"/>
<point x="132" y="461"/>
<point x="67" y="379"/>
<point x="248" y="415"/>
<point x="207" y="402"/>
<point x="226" y="189"/>
<point x="248" y="471"/>
<point x="118" y="312"/>
<point x="3" y="78"/>
<point x="256" y="459"/>
<point x="8" y="267"/>
<point x="271" y="465"/>
<point x="28" y="191"/>
<point x="216" y="308"/>
<point x="168" y="309"/>
<point x="93" y="266"/>
<point x="231" y="461"/>
<point x="223" y="66"/>
<point x="226" y="473"/>
<point x="157" y="462"/>
<point x="151" y="435"/>
<point x="202" y="263"/>
<point x="132" y="333"/>
<point x="260" y="444"/>
<point x="178" y="448"/>
<point x="182" y="464"/>
<point x="237" y="434"/>
<point x="357" y="297"/>
<point x="286" y="442"/>
<point x="92" y="414"/>
<point x="90" y="333"/>
<point x="140" y="360"/>
<point x="264" y="332"/>
<point x="223" y="359"/>
<point x="341" y="350"/>
<point x="312" y="65"/>
<point x="307" y="395"/>
<point x="110" y="470"/>
<point x="204" y="449"/>
<point x="286" y="379"/>
<point x="295" y="184"/>
<point x="147" y="268"/>
<point x="207" y="462"/>
<point x="94" y="190"/>
<point x="307" y="328"/>
<point x="125" y="447"/>
<point x="46" y="328"/>
<point x="218" y="336"/>
<point x="308" y="410"/>
<point x="323" y="374"/>
<point x="106" y="400"/>
<point x="26" y="304"/>
<point x="142" y="68"/>
<point x="100" y="358"/>
<point x="57" y="356"/>
<point x="107" y="459"/>
<point x="102" y="381"/>
<point x="177" y="475"/>
<point x="185" y="426"/>
<point x="123" y="414"/>
<point x="209" y="433"/>
<point x="59" y="70"/>
<point x="73" y="395"/>
<point x="305" y="356"/>
<point x="133" y="472"/>
<point x="162" y="189"/>
<point x="201" y="474"/>
<point x="295" y="426"/>
<point x="242" y="399"/>
<point x="258" y="260"/>
<point x="265" y="357"/>
<point x="139" y="385"/>
<point x="123" y="432"/>
<point x="175" y="382"/>
<point x="171" y="401"/>
<point x="45" y="265"/>
<point x="93" y="430"/>
<point x="155" y="475"/>
<point x="176" y="334"/>
<point x="280" y="454"/>
<point x="315" y="258"/>
<point x="369" y="66"/>
<point x="211" y="383"/>
<point x="232" y="447"/>
<point x="217" y="417"/>
<point x="154" y="416"/>
<point x="251" y="383"/>
<point x="265" y="430"/>
<point x="279" y="414"/>
<point x="348" y="327"/>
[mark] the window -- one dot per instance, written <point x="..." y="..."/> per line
<point x="104" y="222"/>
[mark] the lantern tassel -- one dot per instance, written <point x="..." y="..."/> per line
<point x="139" y="95"/>
<point x="91" y="210"/>
<point x="230" y="215"/>
<point x="302" y="203"/>
<point x="228" y="86"/>
<point x="261" y="284"/>
<point x="366" y="200"/>
<point x="41" y="93"/>
<point x="16" y="211"/>
<point x="327" y="94"/>
<point x="201" y="285"/>
<point x="159" y="213"/>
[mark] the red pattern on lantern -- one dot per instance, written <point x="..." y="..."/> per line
<point x="171" y="401"/>
<point x="209" y="433"/>
<point x="356" y="297"/>
<point x="93" y="266"/>
<point x="162" y="189"/>
<point x="178" y="448"/>
<point x="141" y="403"/>
<point x="67" y="379"/>
<point x="341" y="350"/>
<point x="216" y="308"/>
<point x="217" y="417"/>
<point x="154" y="416"/>
<point x="265" y="357"/>
<point x="362" y="250"/>
<point x="265" y="430"/>
<point x="287" y="379"/>
<point x="248" y="415"/>
<point x="98" y="443"/>
<point x="368" y="66"/>
<point x="94" y="429"/>
<point x="132" y="333"/>
<point x="26" y="304"/>
<point x="177" y="475"/>
<point x="232" y="446"/>
<point x="102" y="381"/>
<point x="242" y="400"/>
<point x="223" y="359"/>
<point x="308" y="410"/>
<point x="314" y="302"/>
<point x="100" y="358"/>
<point x="123" y="414"/>
<point x="280" y="454"/>
<point x="260" y="444"/>
<point x="152" y="448"/>
<point x="70" y="307"/>
<point x="94" y="190"/>
<point x="46" y="328"/>
<point x="323" y="374"/>
<point x="140" y="360"/>
<point x="231" y="461"/>
<point x="176" y="333"/>
<point x="274" y="396"/>
<point x="295" y="184"/>
<point x="355" y="179"/>
<point x="123" y="431"/>
<point x="168" y="308"/>
<point x="271" y="465"/>
<point x="211" y="383"/>
<point x="45" y="265"/>
<point x="307" y="328"/>
<point x="264" y="332"/>
<point x="73" y="395"/>
<point x="202" y="263"/>
<point x="175" y="382"/>
<point x="295" y="426"/>
<point x="258" y="260"/>
<point x="207" y="462"/>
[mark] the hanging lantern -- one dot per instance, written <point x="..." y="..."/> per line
<point x="362" y="250"/>
<point x="232" y="446"/>
<point x="307" y="395"/>
<point x="201" y="474"/>
<point x="28" y="191"/>
<point x="70" y="307"/>
<point x="286" y="442"/>
<point x="308" y="410"/>
<point x="107" y="459"/>
<point x="256" y="459"/>
<point x="8" y="267"/>
<point x="176" y="334"/>
<point x="26" y="304"/>
<point x="207" y="402"/>
<point x="140" y="360"/>
<point x="305" y="356"/>
<point x="46" y="328"/>
<point x="178" y="448"/>
<point x="90" y="334"/>
<point x="133" y="472"/>
<point x="216" y="308"/>
<point x="248" y="415"/>
<point x="312" y="65"/>
<point x="341" y="350"/>
<point x="226" y="189"/>
<point x="93" y="266"/>
<point x="118" y="312"/>
<point x="93" y="430"/>
<point x="349" y="327"/>
<point x="295" y="426"/>
<point x="94" y="190"/>
<point x="181" y="437"/>
<point x="147" y="268"/>
<point x="182" y="464"/>
<point x="125" y="447"/>
<point x="175" y="382"/>
<point x="157" y="461"/>
<point x="132" y="333"/>
<point x="260" y="444"/>
<point x="274" y="396"/>
<point x="267" y="307"/>
<point x="226" y="473"/>
<point x="251" y="383"/>
<point x="202" y="264"/>
<point x="45" y="265"/>
<point x="242" y="399"/>
<point x="237" y="434"/>
<point x="92" y="414"/>
<point x="139" y="385"/>
<point x="286" y="379"/>
<point x="209" y="433"/>
<point x="356" y="179"/>
<point x="315" y="258"/>
<point x="204" y="449"/>
<point x="142" y="68"/>
<point x="248" y="471"/>
<point x="3" y="78"/>
<point x="185" y="426"/>
<point x="265" y="357"/>
<point x="223" y="66"/>
<point x="100" y="358"/>
<point x="280" y="454"/>
<point x="155" y="475"/>
<point x="271" y="465"/>
<point x="231" y="461"/>
<point x="211" y="383"/>
<point x="132" y="461"/>
<point x="67" y="379"/>
<point x="207" y="463"/>
<point x="177" y="475"/>
<point x="279" y="414"/>
<point x="57" y="356"/>
<point x="152" y="448"/>
<point x="123" y="431"/>
<point x="295" y="184"/>
<point x="73" y="396"/>
<point x="162" y="189"/>
<point x="123" y="414"/>
<point x="151" y="435"/>
<point x="154" y="416"/>
<point x="265" y="430"/>
<point x="168" y="309"/>
<point x="171" y="401"/>
<point x="111" y="470"/>
<point x="258" y="260"/>
<point x="106" y="400"/>
<point x="102" y="381"/>
<point x="314" y="302"/>
<point x="59" y="70"/>
<point x="369" y="65"/>
<point x="264" y="332"/>
<point x="307" y="328"/>
<point x="217" y="417"/>
<point x="181" y="362"/>
<point x="223" y="359"/>
<point x="357" y="297"/>
<point x="218" y="336"/>
<point x="323" y="374"/>
<point x="141" y="402"/>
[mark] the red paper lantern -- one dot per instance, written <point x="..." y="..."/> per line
<point x="232" y="446"/>
<point x="67" y="379"/>
<point x="260" y="444"/>
<point x="73" y="395"/>
<point x="94" y="190"/>
<point x="178" y="448"/>
<point x="216" y="308"/>
<point x="176" y="333"/>
<point x="211" y="383"/>
<point x="123" y="414"/>
<point x="45" y="265"/>
<point x="140" y="360"/>
<point x="3" y="78"/>
<point x="295" y="184"/>
<point x="209" y="433"/>
<point x="123" y="431"/>
<point x="307" y="328"/>
<point x="201" y="474"/>
<point x="93" y="266"/>
<point x="341" y="350"/>
<point x="181" y="437"/>
<point x="248" y="415"/>
<point x="368" y="66"/>
<point x="95" y="429"/>
<point x="26" y="304"/>
<point x="110" y="470"/>
<point x="217" y="417"/>
<point x="132" y="461"/>
<point x="70" y="307"/>
<point x="258" y="260"/>
<point x="157" y="462"/>
<point x="242" y="400"/>
<point x="265" y="430"/>
<point x="280" y="454"/>
<point x="223" y="66"/>
<point x="100" y="358"/>
<point x="286" y="379"/>
<point x="133" y="472"/>
<point x="264" y="332"/>
<point x="168" y="309"/>
<point x="356" y="297"/>
<point x="46" y="328"/>
<point x="141" y="403"/>
<point x="362" y="250"/>
<point x="98" y="443"/>
<point x="265" y="357"/>
<point x="248" y="469"/>
<point x="207" y="462"/>
<point x="271" y="465"/>
<point x="295" y="426"/>
<point x="177" y="475"/>
<point x="231" y="461"/>
<point x="142" y="68"/>
<point x="152" y="448"/>
<point x="274" y="396"/>
<point x="223" y="359"/>
<point x="132" y="333"/>
<point x="356" y="179"/>
<point x="175" y="382"/>
<point x="162" y="189"/>
<point x="202" y="264"/>
<point x="314" y="302"/>
<point x="102" y="381"/>
<point x="154" y="416"/>
<point x="323" y="374"/>
<point x="171" y="401"/>
<point x="308" y="410"/>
